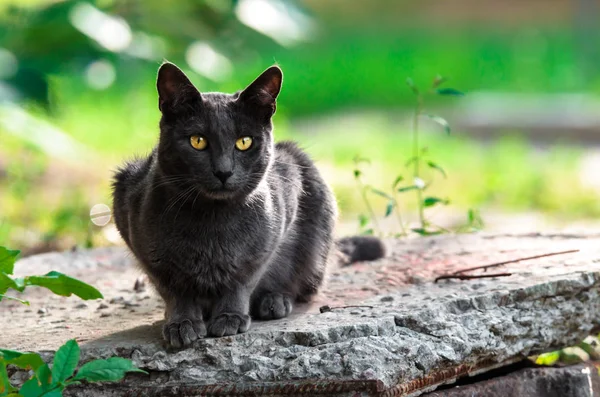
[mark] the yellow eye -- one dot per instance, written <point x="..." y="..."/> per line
<point x="243" y="143"/>
<point x="198" y="142"/>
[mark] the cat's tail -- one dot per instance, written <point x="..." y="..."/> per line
<point x="360" y="248"/>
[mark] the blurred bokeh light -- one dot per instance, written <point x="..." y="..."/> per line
<point x="77" y="97"/>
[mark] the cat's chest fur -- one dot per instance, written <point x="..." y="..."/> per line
<point x="211" y="244"/>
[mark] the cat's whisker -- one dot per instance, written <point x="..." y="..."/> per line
<point x="177" y="199"/>
<point x="290" y="164"/>
<point x="184" y="201"/>
<point x="170" y="180"/>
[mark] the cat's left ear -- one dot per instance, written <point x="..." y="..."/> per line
<point x="261" y="95"/>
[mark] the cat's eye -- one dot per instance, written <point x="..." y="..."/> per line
<point x="243" y="143"/>
<point x="198" y="142"/>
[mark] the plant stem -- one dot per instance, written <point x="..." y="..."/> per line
<point x="417" y="157"/>
<point x="398" y="214"/>
<point x="363" y="190"/>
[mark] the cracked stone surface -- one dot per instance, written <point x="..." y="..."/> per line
<point x="406" y="336"/>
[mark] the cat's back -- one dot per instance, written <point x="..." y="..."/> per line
<point x="298" y="171"/>
<point x="129" y="184"/>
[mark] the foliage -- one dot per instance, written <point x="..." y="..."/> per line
<point x="56" y="282"/>
<point x="588" y="349"/>
<point x="419" y="159"/>
<point x="50" y="381"/>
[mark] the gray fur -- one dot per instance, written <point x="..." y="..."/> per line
<point x="224" y="234"/>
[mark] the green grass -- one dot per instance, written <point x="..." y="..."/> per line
<point x="340" y="72"/>
<point x="507" y="173"/>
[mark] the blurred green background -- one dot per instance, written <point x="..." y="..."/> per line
<point x="77" y="97"/>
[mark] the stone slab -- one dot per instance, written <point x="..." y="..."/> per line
<point x="574" y="381"/>
<point x="406" y="337"/>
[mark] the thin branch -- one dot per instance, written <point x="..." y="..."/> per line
<point x="470" y="277"/>
<point x="327" y="308"/>
<point x="460" y="276"/>
<point x="513" y="261"/>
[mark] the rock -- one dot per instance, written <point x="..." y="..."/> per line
<point x="118" y="299"/>
<point x="140" y="284"/>
<point x="426" y="336"/>
<point x="81" y="306"/>
<point x="575" y="381"/>
<point x="102" y="306"/>
<point x="42" y="311"/>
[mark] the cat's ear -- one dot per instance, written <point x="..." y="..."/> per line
<point x="174" y="88"/>
<point x="261" y="95"/>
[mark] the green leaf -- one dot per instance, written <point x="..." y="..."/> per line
<point x="39" y="384"/>
<point x="357" y="173"/>
<point x="474" y="219"/>
<point x="12" y="298"/>
<point x="548" y="358"/>
<point x="22" y="360"/>
<point x="7" y="354"/>
<point x="55" y="393"/>
<point x="410" y="161"/>
<point x="398" y="179"/>
<point x="440" y="121"/>
<point x="44" y="375"/>
<point x="389" y="208"/>
<point x="439" y="80"/>
<point x="407" y="188"/>
<point x="31" y="388"/>
<point x="450" y="92"/>
<point x="431" y="201"/>
<point x="7" y="282"/>
<point x="382" y="194"/>
<point x="111" y="370"/>
<point x="368" y="232"/>
<point x="65" y="361"/>
<point x="433" y="165"/>
<point x="8" y="259"/>
<point x="363" y="220"/>
<point x="5" y="386"/>
<point x="425" y="232"/>
<point x="64" y="285"/>
<point x="413" y="87"/>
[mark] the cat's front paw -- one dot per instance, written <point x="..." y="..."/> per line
<point x="226" y="324"/>
<point x="183" y="333"/>
<point x="272" y="306"/>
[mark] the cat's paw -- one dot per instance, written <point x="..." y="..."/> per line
<point x="272" y="306"/>
<point x="226" y="324"/>
<point x="183" y="333"/>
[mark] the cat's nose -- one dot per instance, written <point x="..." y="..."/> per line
<point x="223" y="175"/>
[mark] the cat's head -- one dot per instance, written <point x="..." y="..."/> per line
<point x="221" y="144"/>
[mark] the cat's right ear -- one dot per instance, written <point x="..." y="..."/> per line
<point x="174" y="88"/>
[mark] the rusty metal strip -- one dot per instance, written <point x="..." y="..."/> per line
<point x="432" y="381"/>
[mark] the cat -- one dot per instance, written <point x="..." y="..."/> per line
<point x="227" y="224"/>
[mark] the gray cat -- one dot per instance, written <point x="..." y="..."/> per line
<point x="226" y="223"/>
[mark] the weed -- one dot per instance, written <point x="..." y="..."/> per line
<point x="51" y="381"/>
<point x="419" y="186"/>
